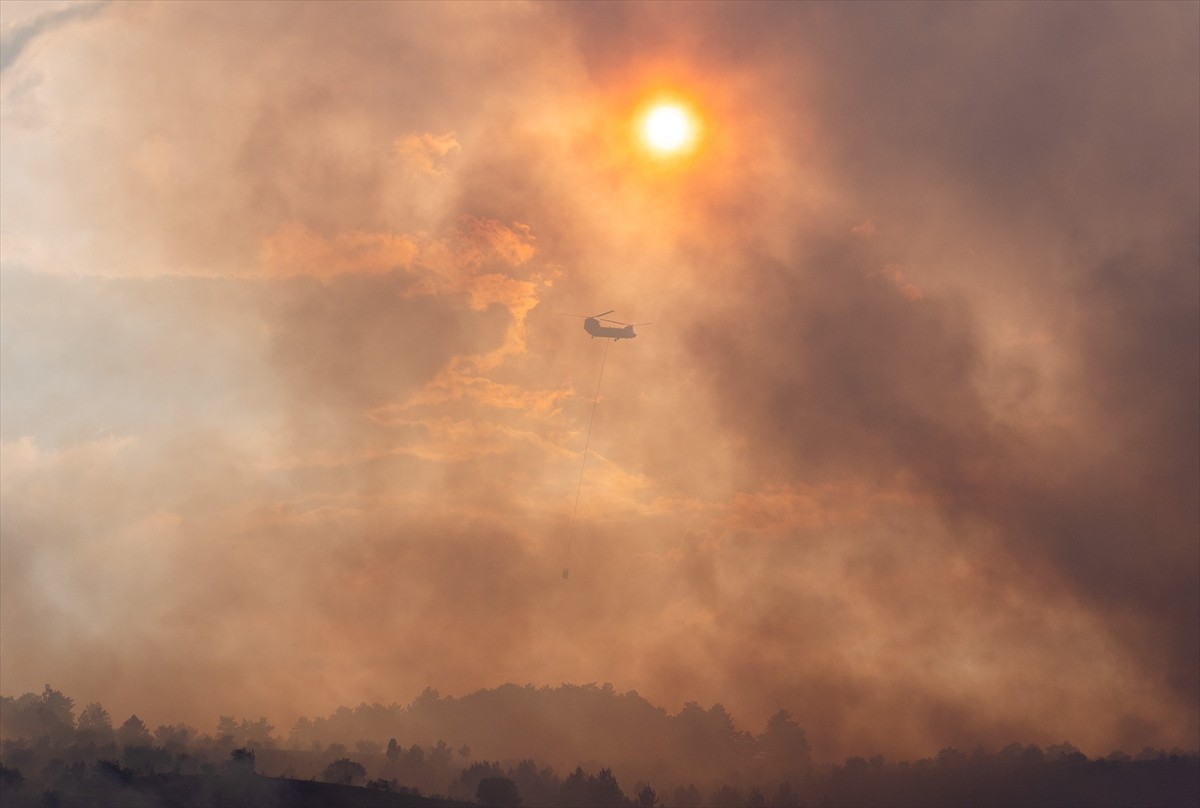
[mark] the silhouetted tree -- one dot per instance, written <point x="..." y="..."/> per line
<point x="133" y="733"/>
<point x="112" y="771"/>
<point x="257" y="733"/>
<point x="708" y="739"/>
<point x="726" y="796"/>
<point x="440" y="755"/>
<point x="1069" y="752"/>
<point x="466" y="786"/>
<point x="50" y="716"/>
<point x="95" y="726"/>
<point x="367" y="748"/>
<point x="58" y="715"/>
<point x="498" y="792"/>
<point x="647" y="798"/>
<point x="241" y="761"/>
<point x="146" y="759"/>
<point x="10" y="778"/>
<point x="582" y="790"/>
<point x="344" y="772"/>
<point x="227" y="726"/>
<point x="304" y="735"/>
<point x="785" y="797"/>
<point x="688" y="797"/>
<point x="174" y="738"/>
<point x="606" y="794"/>
<point x="783" y="745"/>
<point x="574" y="791"/>
<point x="536" y="786"/>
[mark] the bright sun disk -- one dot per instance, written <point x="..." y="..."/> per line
<point x="667" y="128"/>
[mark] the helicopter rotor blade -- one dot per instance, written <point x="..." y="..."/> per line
<point x="588" y="316"/>
<point x="618" y="322"/>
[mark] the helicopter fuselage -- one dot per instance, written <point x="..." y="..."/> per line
<point x="593" y="327"/>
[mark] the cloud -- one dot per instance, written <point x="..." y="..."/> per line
<point x="452" y="385"/>
<point x="19" y="35"/>
<point x="424" y="153"/>
<point x="295" y="250"/>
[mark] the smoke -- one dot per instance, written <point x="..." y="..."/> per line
<point x="290" y="419"/>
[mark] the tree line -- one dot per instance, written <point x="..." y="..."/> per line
<point x="509" y="745"/>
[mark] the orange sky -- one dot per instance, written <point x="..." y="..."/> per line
<point x="290" y="419"/>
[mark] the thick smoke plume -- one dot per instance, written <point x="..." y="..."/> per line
<point x="290" y="419"/>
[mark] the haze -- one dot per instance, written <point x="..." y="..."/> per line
<point x="290" y="419"/>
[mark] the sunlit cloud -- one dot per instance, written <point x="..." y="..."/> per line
<point x="295" y="250"/>
<point x="425" y="153"/>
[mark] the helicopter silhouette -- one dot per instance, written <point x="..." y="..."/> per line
<point x="591" y="324"/>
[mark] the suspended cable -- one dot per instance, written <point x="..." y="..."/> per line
<point x="583" y="460"/>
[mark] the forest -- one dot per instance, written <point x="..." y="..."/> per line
<point x="572" y="745"/>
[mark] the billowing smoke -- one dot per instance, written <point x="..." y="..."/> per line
<point x="291" y="420"/>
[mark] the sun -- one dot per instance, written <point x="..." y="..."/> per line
<point x="668" y="128"/>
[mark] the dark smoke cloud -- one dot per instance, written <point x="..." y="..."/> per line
<point x="1062" y="133"/>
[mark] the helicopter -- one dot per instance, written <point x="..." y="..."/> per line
<point x="592" y="326"/>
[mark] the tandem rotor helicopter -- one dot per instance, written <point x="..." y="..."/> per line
<point x="592" y="326"/>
